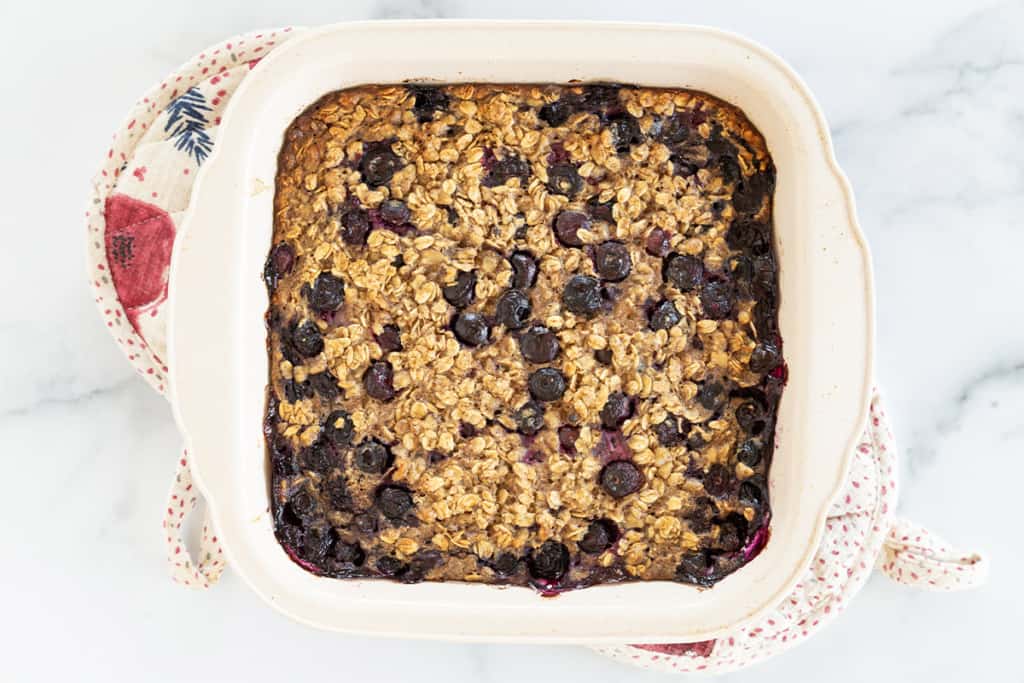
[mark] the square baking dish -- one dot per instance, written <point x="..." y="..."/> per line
<point x="217" y="340"/>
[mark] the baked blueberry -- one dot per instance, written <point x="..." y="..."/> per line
<point x="711" y="394"/>
<point x="549" y="562"/>
<point x="717" y="298"/>
<point x="394" y="502"/>
<point x="674" y="129"/>
<point x="567" y="435"/>
<point x="732" y="532"/>
<point x="338" y="429"/>
<point x="307" y="340"/>
<point x="296" y="391"/>
<point x="279" y="263"/>
<point x="719" y="481"/>
<point x="394" y="212"/>
<point x="391" y="567"/>
<point x="603" y="356"/>
<point x="568" y="224"/>
<point x="328" y="293"/>
<point x="556" y="113"/>
<point x="664" y="315"/>
<point x="750" y="418"/>
<point x="524" y="269"/>
<point x="390" y="339"/>
<point x="599" y="537"/>
<point x="379" y="163"/>
<point x="749" y="453"/>
<point x="563" y="179"/>
<point x="682" y="271"/>
<point x="601" y="211"/>
<point x="538" y="344"/>
<point x="616" y="410"/>
<point x="505" y="564"/>
<point x="669" y="432"/>
<point x="752" y="491"/>
<point x="365" y="522"/>
<point x="378" y="381"/>
<point x="582" y="295"/>
<point x="336" y="494"/>
<point x="547" y="384"/>
<point x="355" y="225"/>
<point x="696" y="568"/>
<point x="325" y="385"/>
<point x="426" y="101"/>
<point x="513" y="309"/>
<point x="529" y="418"/>
<point x="765" y="357"/>
<point x="318" y="457"/>
<point x="751" y="192"/>
<point x="372" y="456"/>
<point x="625" y="132"/>
<point x="612" y="261"/>
<point x="462" y="292"/>
<point x="471" y="328"/>
<point x="503" y="170"/>
<point x="621" y="478"/>
<point x="349" y="553"/>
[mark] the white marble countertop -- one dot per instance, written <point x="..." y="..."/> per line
<point x="924" y="100"/>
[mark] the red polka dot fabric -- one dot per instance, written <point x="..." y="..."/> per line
<point x="138" y="199"/>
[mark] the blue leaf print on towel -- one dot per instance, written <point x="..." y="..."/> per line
<point x="186" y="124"/>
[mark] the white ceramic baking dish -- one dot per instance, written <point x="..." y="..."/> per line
<point x="217" y="336"/>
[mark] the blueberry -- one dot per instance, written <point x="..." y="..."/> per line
<point x="378" y="381"/>
<point x="732" y="532"/>
<point x="568" y="225"/>
<point x="547" y="384"/>
<point x="563" y="179"/>
<point x="612" y="261"/>
<point x="625" y="130"/>
<point x="740" y="267"/>
<point x="601" y="211"/>
<point x="538" y="344"/>
<point x="279" y="263"/>
<point x="505" y="564"/>
<point x="664" y="315"/>
<point x="749" y="453"/>
<point x="602" y="99"/>
<point x="327" y="294"/>
<point x="717" y="298"/>
<point x="749" y="418"/>
<point x="303" y="506"/>
<point x="696" y="568"/>
<point x="599" y="537"/>
<point x="750" y="193"/>
<point x="307" y="340"/>
<point x="426" y="101"/>
<point x="603" y="356"/>
<point x="503" y="170"/>
<point x="711" y="395"/>
<point x="582" y="295"/>
<point x="391" y="566"/>
<point x="296" y="391"/>
<point x="621" y="478"/>
<point x="355" y="226"/>
<point x="683" y="271"/>
<point x="281" y="457"/>
<point x="524" y="269"/>
<point x="349" y="553"/>
<point x="719" y="481"/>
<point x="674" y="129"/>
<point x="556" y="113"/>
<point x="567" y="436"/>
<point x="318" y="457"/>
<point x="394" y="501"/>
<point x="372" y="456"/>
<point x="379" y="163"/>
<point x="616" y="410"/>
<point x="394" y="212"/>
<point x="471" y="328"/>
<point x="316" y="542"/>
<point x="765" y="357"/>
<point x="656" y="243"/>
<point x="325" y="385"/>
<point x="462" y="292"/>
<point x="466" y="430"/>
<point x="529" y="418"/>
<point x="513" y="309"/>
<point x="390" y="339"/>
<point x="669" y="433"/>
<point x="752" y="492"/>
<point x="338" y="428"/>
<point x="549" y="562"/>
<point x="337" y="495"/>
<point x="749" y="236"/>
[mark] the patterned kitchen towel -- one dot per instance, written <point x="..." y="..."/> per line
<point x="138" y="199"/>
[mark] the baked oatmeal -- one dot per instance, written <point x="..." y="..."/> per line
<point x="522" y="334"/>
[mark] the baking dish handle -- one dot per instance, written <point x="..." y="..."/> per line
<point x="182" y="501"/>
<point x="913" y="556"/>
